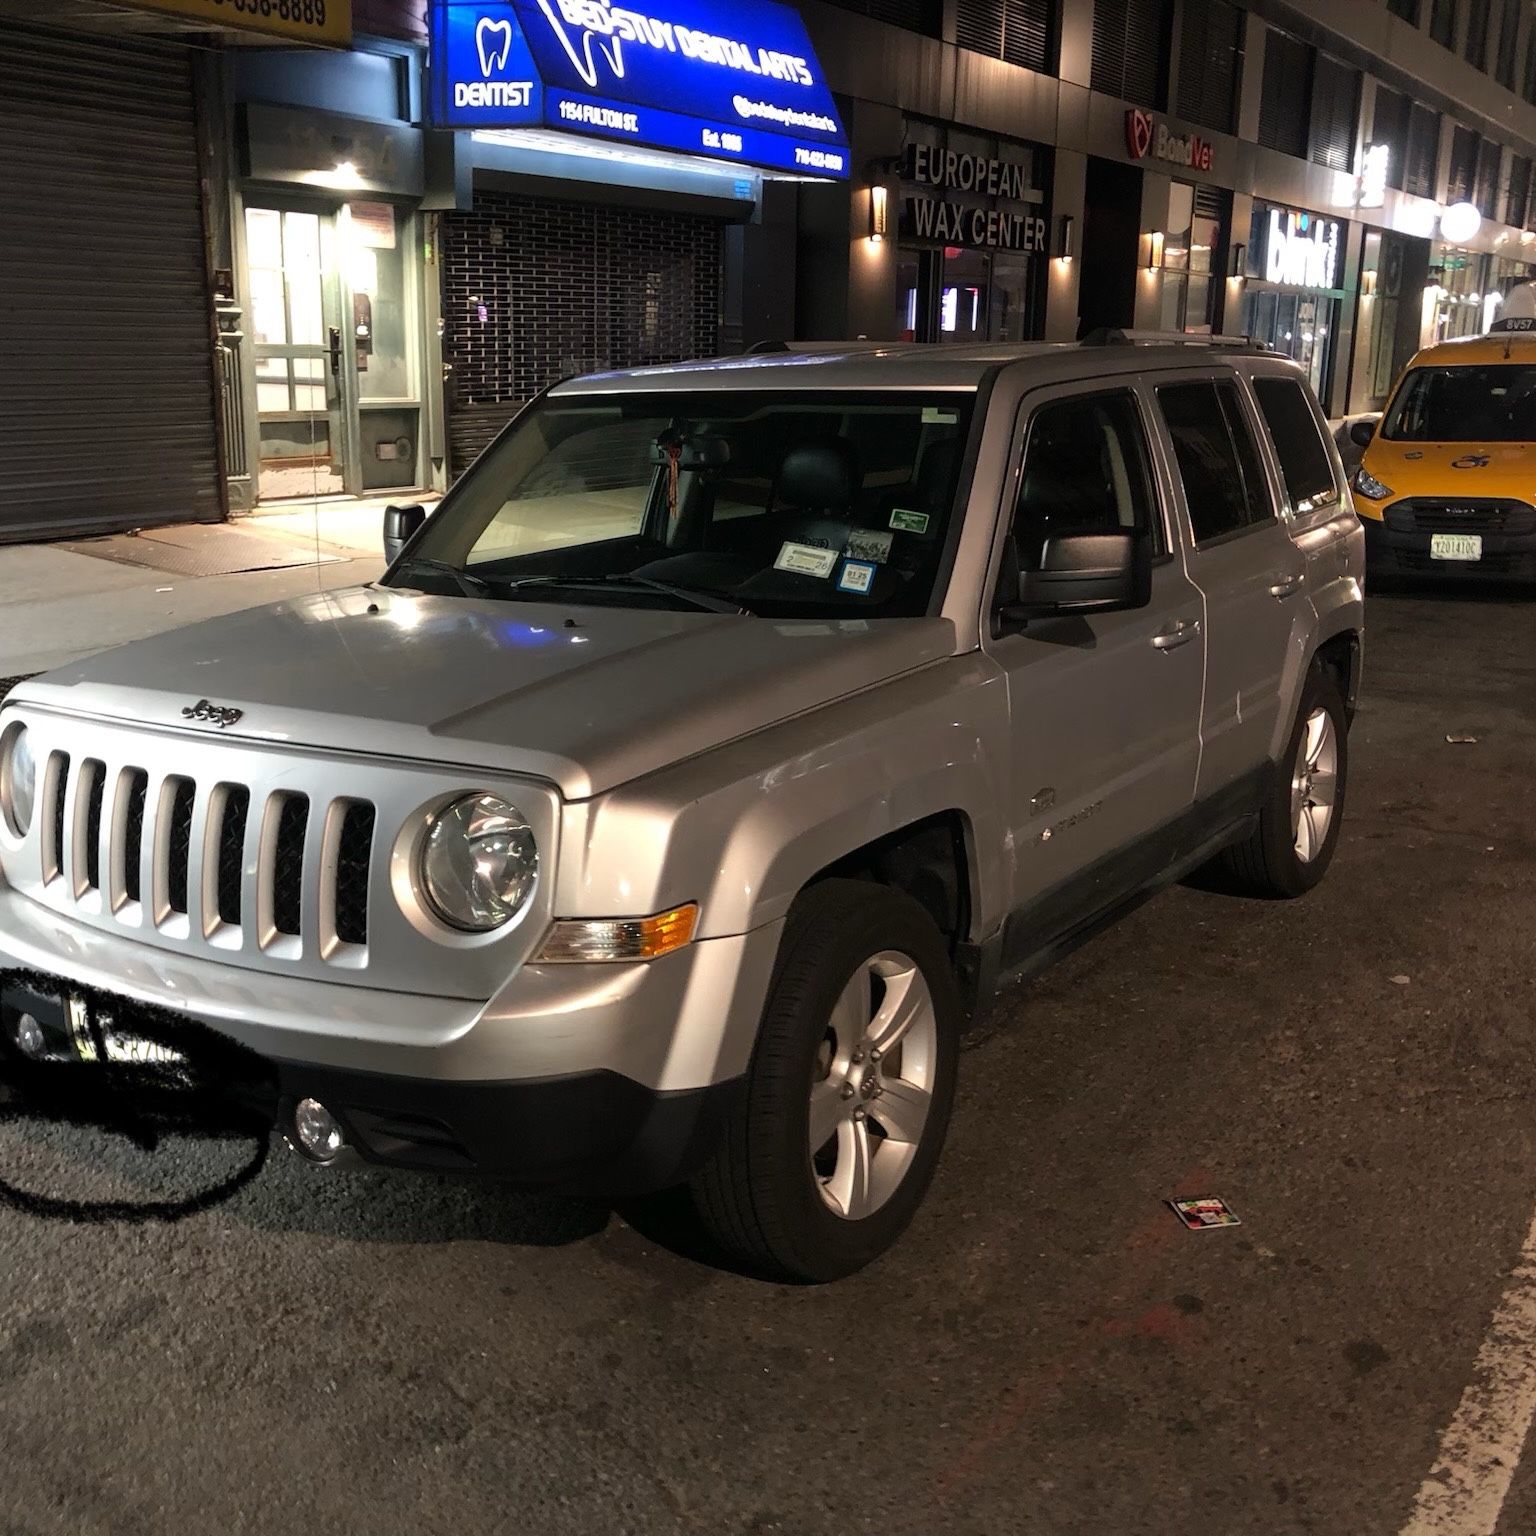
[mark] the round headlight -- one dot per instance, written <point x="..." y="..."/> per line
<point x="18" y="782"/>
<point x="479" y="863"/>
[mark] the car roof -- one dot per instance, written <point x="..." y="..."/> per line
<point x="913" y="365"/>
<point x="1477" y="351"/>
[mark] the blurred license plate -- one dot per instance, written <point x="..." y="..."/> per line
<point x="1456" y="546"/>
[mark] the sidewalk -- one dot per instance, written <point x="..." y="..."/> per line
<point x="58" y="604"/>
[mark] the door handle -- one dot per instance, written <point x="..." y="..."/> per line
<point x="1180" y="632"/>
<point x="335" y="349"/>
<point x="1287" y="586"/>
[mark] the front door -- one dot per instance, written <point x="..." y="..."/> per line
<point x="1104" y="708"/>
<point x="302" y="382"/>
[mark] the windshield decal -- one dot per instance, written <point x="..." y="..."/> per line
<point x="856" y="576"/>
<point x="909" y="522"/>
<point x="806" y="560"/>
<point x="869" y="544"/>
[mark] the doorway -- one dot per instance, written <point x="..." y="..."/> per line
<point x="335" y="348"/>
<point x="1111" y="246"/>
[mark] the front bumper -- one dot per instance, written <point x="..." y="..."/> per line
<point x="600" y="1079"/>
<point x="1399" y="544"/>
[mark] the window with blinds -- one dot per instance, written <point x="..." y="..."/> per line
<point x="1421" y="157"/>
<point x="1210" y="63"/>
<point x="1485" y="185"/>
<point x="1442" y="22"/>
<point x="1517" y="195"/>
<point x="1389" y="126"/>
<point x="1458" y="187"/>
<point x="1130" y="50"/>
<point x="1285" y="103"/>
<point x="1020" y="31"/>
<point x="1407" y="9"/>
<point x="1504" y="59"/>
<point x="1528" y="89"/>
<point x="1474" y="47"/>
<point x="1335" y="104"/>
<point x="915" y="15"/>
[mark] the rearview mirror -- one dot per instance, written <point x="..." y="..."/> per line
<point x="1086" y="573"/>
<point x="1361" y="433"/>
<point x="400" y="525"/>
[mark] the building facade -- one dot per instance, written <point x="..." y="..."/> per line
<point x="264" y="264"/>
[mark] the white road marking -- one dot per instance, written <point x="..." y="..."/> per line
<point x="1481" y="1446"/>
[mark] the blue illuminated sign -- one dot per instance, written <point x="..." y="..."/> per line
<point x="736" y="83"/>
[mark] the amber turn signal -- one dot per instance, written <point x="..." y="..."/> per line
<point x="587" y="940"/>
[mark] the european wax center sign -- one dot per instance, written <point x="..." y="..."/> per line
<point x="971" y="215"/>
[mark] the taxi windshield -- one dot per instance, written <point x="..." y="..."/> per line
<point x="1493" y="404"/>
<point x="811" y="505"/>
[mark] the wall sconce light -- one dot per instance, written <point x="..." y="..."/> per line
<point x="1239" y="261"/>
<point x="1154" y="250"/>
<point x="877" y="211"/>
<point x="1066" y="238"/>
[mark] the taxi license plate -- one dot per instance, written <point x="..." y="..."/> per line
<point x="1456" y="546"/>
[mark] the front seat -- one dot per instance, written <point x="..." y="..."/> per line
<point x="814" y="493"/>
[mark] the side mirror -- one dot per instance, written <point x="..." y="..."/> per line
<point x="400" y="525"/>
<point x="1086" y="573"/>
<point x="1361" y="433"/>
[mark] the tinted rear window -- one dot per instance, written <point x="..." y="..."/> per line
<point x="1299" y="445"/>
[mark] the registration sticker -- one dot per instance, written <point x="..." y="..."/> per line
<point x="806" y="560"/>
<point x="869" y="544"/>
<point x="856" y="576"/>
<point x="909" y="522"/>
<point x="934" y="417"/>
<point x="1207" y="1211"/>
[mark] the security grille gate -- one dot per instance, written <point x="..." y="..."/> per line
<point x="535" y="290"/>
<point x="106" y="386"/>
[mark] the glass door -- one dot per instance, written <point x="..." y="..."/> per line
<point x="302" y="381"/>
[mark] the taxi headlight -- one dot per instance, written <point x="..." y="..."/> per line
<point x="479" y="863"/>
<point x="18" y="781"/>
<point x="1368" y="485"/>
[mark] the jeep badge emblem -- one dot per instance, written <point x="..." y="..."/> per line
<point x="213" y="714"/>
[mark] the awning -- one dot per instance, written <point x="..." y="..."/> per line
<point x="737" y="83"/>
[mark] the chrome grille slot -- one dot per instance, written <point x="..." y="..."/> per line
<point x="85" y="828"/>
<point x="55" y="792"/>
<point x="287" y="863"/>
<point x="232" y="806"/>
<point x="128" y="838"/>
<point x="354" y="860"/>
<point x="173" y="850"/>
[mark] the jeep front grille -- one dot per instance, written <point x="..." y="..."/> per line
<point x="201" y="853"/>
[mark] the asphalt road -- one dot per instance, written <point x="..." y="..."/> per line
<point x="1048" y="1351"/>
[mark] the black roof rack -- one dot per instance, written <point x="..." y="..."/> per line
<point x="1115" y="336"/>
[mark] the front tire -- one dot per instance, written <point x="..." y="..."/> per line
<point x="1299" y="822"/>
<point x="849" y="1091"/>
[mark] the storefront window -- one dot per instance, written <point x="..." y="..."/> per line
<point x="1295" y="263"/>
<point x="973" y="231"/>
<point x="1192" y="242"/>
<point x="1457" y="281"/>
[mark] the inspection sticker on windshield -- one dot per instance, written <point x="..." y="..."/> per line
<point x="934" y="417"/>
<point x="1207" y="1211"/>
<point x="869" y="544"/>
<point x="805" y="560"/>
<point x="856" y="576"/>
<point x="909" y="522"/>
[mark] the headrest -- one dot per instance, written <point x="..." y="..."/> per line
<point x="822" y="477"/>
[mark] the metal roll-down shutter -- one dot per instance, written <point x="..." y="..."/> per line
<point x="106" y="386"/>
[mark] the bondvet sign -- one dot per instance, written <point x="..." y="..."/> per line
<point x="928" y="172"/>
<point x="1146" y="137"/>
<point x="736" y="84"/>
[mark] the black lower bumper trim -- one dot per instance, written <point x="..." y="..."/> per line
<point x="1392" y="552"/>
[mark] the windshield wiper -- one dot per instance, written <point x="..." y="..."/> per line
<point x="470" y="586"/>
<point x="705" y="600"/>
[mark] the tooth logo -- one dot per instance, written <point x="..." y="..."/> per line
<point x="583" y="62"/>
<point x="494" y="40"/>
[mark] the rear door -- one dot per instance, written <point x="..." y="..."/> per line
<point x="1249" y="572"/>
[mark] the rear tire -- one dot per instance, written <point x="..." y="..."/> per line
<point x="1303" y="809"/>
<point x="857" y="1052"/>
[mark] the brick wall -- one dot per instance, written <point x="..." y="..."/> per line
<point x="535" y="289"/>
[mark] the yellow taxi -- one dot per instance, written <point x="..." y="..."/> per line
<point x="1447" y="485"/>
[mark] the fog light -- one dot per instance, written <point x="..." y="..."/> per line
<point x="30" y="1038"/>
<point x="317" y="1130"/>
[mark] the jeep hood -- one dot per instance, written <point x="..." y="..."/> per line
<point x="586" y="697"/>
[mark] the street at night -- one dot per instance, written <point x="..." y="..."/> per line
<point x="1046" y="1351"/>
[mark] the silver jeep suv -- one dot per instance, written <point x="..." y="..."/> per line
<point x="726" y="737"/>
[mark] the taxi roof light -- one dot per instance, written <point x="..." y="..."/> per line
<point x="598" y="940"/>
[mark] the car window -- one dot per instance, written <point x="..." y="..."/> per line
<point x="1299" y="445"/>
<point x="1464" y="404"/>
<point x="1217" y="459"/>
<point x="1085" y="470"/>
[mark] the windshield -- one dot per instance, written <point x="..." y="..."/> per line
<point x="1496" y="404"/>
<point x="809" y="505"/>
